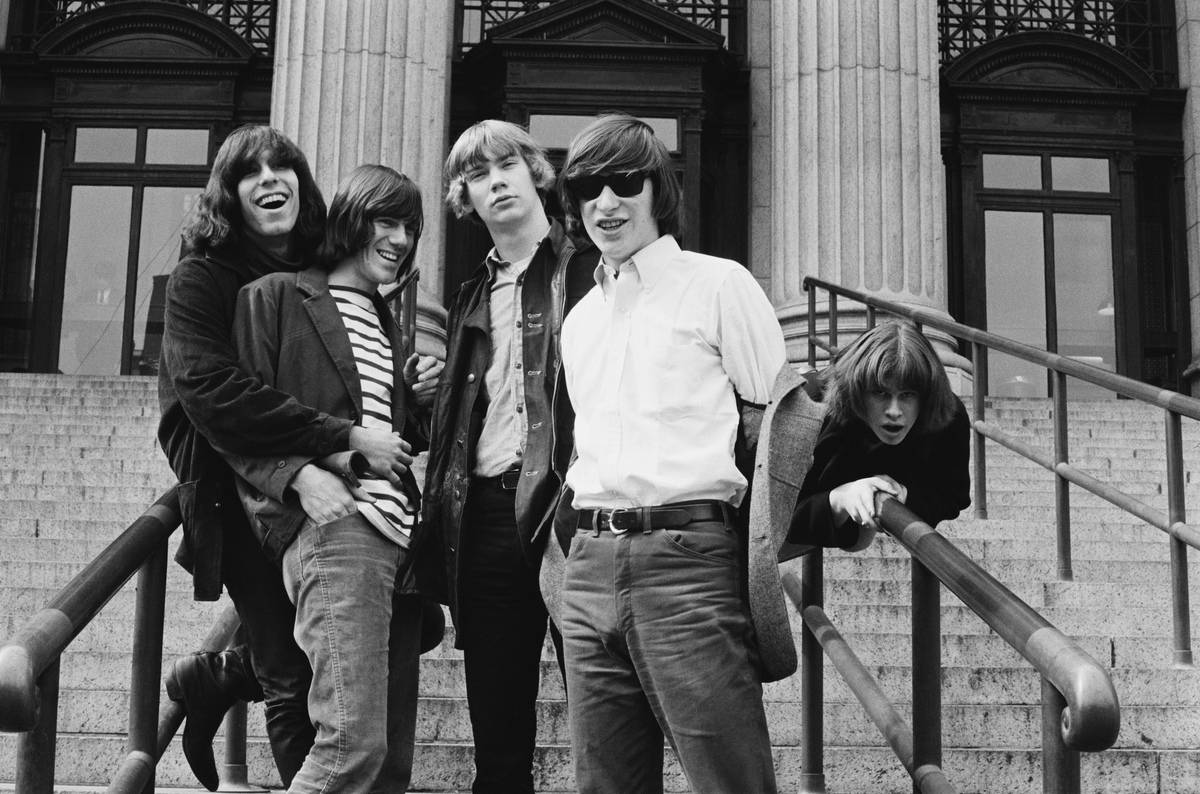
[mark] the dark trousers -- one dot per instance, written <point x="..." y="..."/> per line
<point x="255" y="586"/>
<point x="502" y="629"/>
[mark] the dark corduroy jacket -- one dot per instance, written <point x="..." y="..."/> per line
<point x="289" y="334"/>
<point x="207" y="401"/>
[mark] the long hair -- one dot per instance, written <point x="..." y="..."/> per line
<point x="892" y="355"/>
<point x="369" y="193"/>
<point x="620" y="143"/>
<point x="217" y="219"/>
<point x="488" y="141"/>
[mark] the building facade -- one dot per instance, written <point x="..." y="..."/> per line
<point x="1026" y="166"/>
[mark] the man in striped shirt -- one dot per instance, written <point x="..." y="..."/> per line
<point x="344" y="531"/>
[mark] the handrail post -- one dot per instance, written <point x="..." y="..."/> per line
<point x="146" y="670"/>
<point x="833" y="324"/>
<point x="871" y="319"/>
<point x="35" y="748"/>
<point x="1180" y="600"/>
<point x="1062" y="495"/>
<point x="812" y="326"/>
<point x="978" y="398"/>
<point x="926" y="668"/>
<point x="812" y="681"/>
<point x="1060" y="764"/>
<point x="234" y="772"/>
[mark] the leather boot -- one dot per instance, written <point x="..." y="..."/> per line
<point x="207" y="684"/>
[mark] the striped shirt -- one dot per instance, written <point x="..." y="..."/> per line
<point x="393" y="512"/>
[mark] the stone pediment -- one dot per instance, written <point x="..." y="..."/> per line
<point x="614" y="22"/>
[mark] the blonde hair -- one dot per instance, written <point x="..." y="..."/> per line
<point x="487" y="141"/>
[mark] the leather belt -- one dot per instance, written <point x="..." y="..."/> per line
<point x="620" y="520"/>
<point x="505" y="480"/>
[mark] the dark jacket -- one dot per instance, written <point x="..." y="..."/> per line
<point x="933" y="467"/>
<point x="558" y="276"/>
<point x="289" y="334"/>
<point x="206" y="399"/>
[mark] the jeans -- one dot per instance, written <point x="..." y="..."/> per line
<point x="502" y="629"/>
<point x="282" y="669"/>
<point x="361" y="637"/>
<point x="656" y="637"/>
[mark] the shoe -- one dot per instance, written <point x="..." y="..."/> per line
<point x="206" y="684"/>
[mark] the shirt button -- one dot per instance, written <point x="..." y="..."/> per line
<point x="471" y="377"/>
<point x="518" y="323"/>
<point x="517" y="365"/>
<point x="520" y="409"/>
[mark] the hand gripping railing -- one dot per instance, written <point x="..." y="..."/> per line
<point x="29" y="661"/>
<point x="1174" y="406"/>
<point x="1080" y="711"/>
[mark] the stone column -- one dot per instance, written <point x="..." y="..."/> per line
<point x="1187" y="20"/>
<point x="849" y="184"/>
<point x="369" y="82"/>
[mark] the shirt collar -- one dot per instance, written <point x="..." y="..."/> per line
<point x="649" y="263"/>
<point x="493" y="262"/>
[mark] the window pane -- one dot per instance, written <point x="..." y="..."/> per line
<point x="1014" y="259"/>
<point x="177" y="147"/>
<point x="105" y="145"/>
<point x="1012" y="171"/>
<point x="1083" y="279"/>
<point x="556" y="131"/>
<point x="163" y="212"/>
<point x="1080" y="173"/>
<point x="94" y="288"/>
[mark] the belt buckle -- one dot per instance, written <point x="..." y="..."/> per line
<point x="609" y="513"/>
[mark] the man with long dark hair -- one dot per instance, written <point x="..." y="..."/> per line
<point x="261" y="212"/>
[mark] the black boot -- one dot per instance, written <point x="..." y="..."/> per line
<point x="207" y="684"/>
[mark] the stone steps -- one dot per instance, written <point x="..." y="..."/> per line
<point x="96" y="467"/>
<point x="445" y="766"/>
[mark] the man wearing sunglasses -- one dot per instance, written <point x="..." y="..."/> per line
<point x="501" y="438"/>
<point x="657" y="637"/>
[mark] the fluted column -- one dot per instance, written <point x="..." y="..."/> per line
<point x="1187" y="20"/>
<point x="854" y="182"/>
<point x="369" y="82"/>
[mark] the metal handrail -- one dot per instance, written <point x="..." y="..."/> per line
<point x="41" y="640"/>
<point x="1080" y="708"/>
<point x="29" y="660"/>
<point x="1174" y="406"/>
<point x="1162" y="398"/>
<point x="1092" y="717"/>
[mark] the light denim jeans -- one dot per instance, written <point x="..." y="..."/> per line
<point x="362" y="639"/>
<point x="657" y="643"/>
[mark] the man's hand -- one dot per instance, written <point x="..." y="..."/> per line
<point x="856" y="500"/>
<point x="324" y="496"/>
<point x="387" y="454"/>
<point x="421" y="375"/>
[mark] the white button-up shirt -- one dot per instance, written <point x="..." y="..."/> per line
<point x="652" y="359"/>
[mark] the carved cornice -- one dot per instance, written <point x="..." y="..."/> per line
<point x="1079" y="60"/>
<point x="197" y="34"/>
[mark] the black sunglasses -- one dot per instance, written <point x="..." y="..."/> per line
<point x="624" y="185"/>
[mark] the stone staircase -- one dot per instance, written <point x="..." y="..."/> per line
<point x="78" y="463"/>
